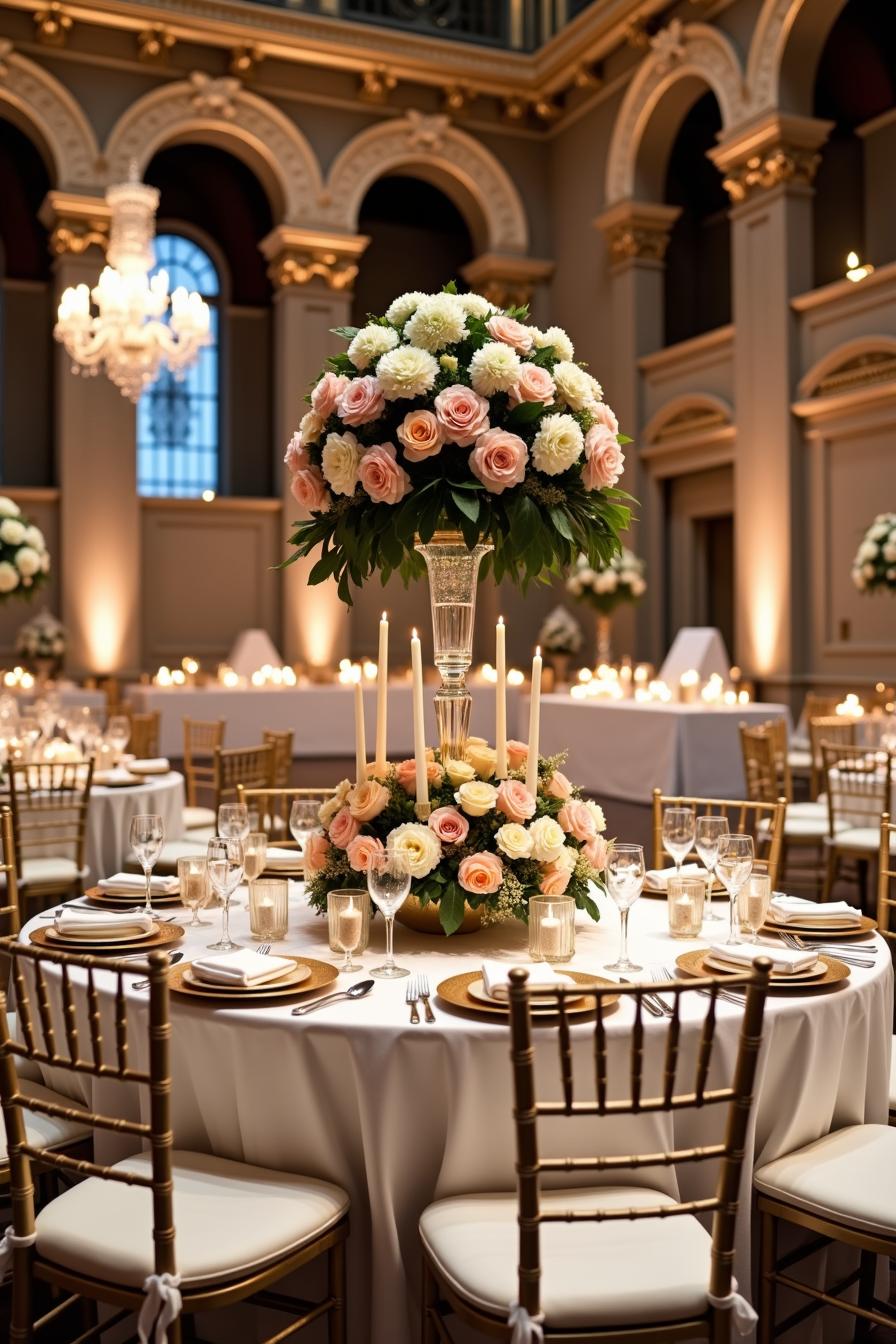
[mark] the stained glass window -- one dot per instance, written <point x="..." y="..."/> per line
<point x="178" y="421"/>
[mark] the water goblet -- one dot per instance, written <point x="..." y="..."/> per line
<point x="195" y="888"/>
<point x="304" y="819"/>
<point x="707" y="839"/>
<point x="118" y="734"/>
<point x="678" y="834"/>
<point x="389" y="881"/>
<point x="734" y="867"/>
<point x="147" y="835"/>
<point x="225" y="869"/>
<point x="753" y="901"/>
<point x="625" y="878"/>
<point x="233" y="821"/>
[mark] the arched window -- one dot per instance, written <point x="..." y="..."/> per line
<point x="178" y="421"/>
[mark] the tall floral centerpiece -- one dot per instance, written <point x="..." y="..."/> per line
<point x="874" y="568"/>
<point x="42" y="640"/>
<point x="605" y="587"/>
<point x="24" y="558"/>
<point x="560" y="636"/>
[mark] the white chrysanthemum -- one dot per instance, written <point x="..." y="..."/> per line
<point x="557" y="444"/>
<point x="418" y="844"/>
<point x="548" y="839"/>
<point x="9" y="578"/>
<point x="28" y="562"/>
<point x="370" y="343"/>
<point x="867" y="550"/>
<point x="576" y="387"/>
<point x="877" y="530"/>
<point x="400" y="309"/>
<point x="340" y="460"/>
<point x="494" y="368"/>
<point x="557" y="339"/>
<point x="406" y="372"/>
<point x="477" y="305"/>
<point x="514" y="841"/>
<point x="12" y="531"/>
<point x="34" y="537"/>
<point x="8" y="509"/>
<point x="437" y="322"/>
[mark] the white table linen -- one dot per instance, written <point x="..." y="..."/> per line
<point x="109" y="819"/>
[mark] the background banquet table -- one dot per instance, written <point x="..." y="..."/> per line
<point x="400" y="1115"/>
<point x="109" y="815"/>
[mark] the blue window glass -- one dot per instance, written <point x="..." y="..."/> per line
<point x="178" y="420"/>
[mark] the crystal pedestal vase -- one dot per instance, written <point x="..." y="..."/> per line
<point x="604" y="637"/>
<point x="453" y="570"/>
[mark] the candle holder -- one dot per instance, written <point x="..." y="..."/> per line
<point x="552" y="928"/>
<point x="348" y="922"/>
<point x="267" y="909"/>
<point x="684" y="905"/>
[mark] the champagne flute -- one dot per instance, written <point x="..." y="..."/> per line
<point x="389" y="881"/>
<point x="147" y="836"/>
<point x="225" y="870"/>
<point x="255" y="852"/>
<point x="304" y="818"/>
<point x="753" y="901"/>
<point x="734" y="867"/>
<point x="709" y="834"/>
<point x="678" y="834"/>
<point x="625" y="878"/>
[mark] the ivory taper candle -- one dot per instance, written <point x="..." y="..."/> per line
<point x="419" y="723"/>
<point x="534" y="725"/>
<point x="360" y="744"/>
<point x="382" y="691"/>
<point x="501" y="700"/>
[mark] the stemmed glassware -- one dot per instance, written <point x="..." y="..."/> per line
<point x="304" y="819"/>
<point x="678" y="834"/>
<point x="29" y="731"/>
<point x="346" y="916"/>
<point x="625" y="878"/>
<point x="234" y="824"/>
<point x="734" y="866"/>
<point x="118" y="734"/>
<point x="195" y="888"/>
<point x="255" y="852"/>
<point x="753" y="901"/>
<point x="147" y="836"/>
<point x="709" y="835"/>
<point x="389" y="881"/>
<point x="225" y="870"/>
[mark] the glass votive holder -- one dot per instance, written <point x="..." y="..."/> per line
<point x="753" y="901"/>
<point x="195" y="887"/>
<point x="348" y="920"/>
<point x="684" y="904"/>
<point x="552" y="928"/>
<point x="267" y="909"/>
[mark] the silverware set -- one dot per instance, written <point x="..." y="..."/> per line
<point x="144" y="984"/>
<point x="861" y="955"/>
<point x="418" y="991"/>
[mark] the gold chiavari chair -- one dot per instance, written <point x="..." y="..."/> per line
<point x="202" y="738"/>
<point x="764" y="750"/>
<point x="113" y="1237"/>
<point x="859" y="785"/>
<point x="632" y="1263"/>
<point x="836" y="729"/>
<point x="282" y="745"/>
<point x="886" y="918"/>
<point x="764" y="821"/>
<point x="273" y="807"/>
<point x="144" y="739"/>
<point x="49" y="815"/>
<point x="10" y="915"/>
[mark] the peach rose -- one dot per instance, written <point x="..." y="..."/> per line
<point x="511" y="332"/>
<point x="462" y="414"/>
<point x="361" y="401"/>
<point x="317" y="852"/>
<point x="381" y="476"/>
<point x="367" y="800"/>
<point x="481" y="873"/>
<point x="361" y="850"/>
<point x="533" y="384"/>
<point x="420" y="435"/>
<point x="309" y="489"/>
<point x="602" y="415"/>
<point x="558" y="786"/>
<point x="450" y="826"/>
<point x="517" y="754"/>
<point x="603" y="458"/>
<point x="297" y="457"/>
<point x="406" y="774"/>
<point x="515" y="800"/>
<point x="554" y="879"/>
<point x="576" y="820"/>
<point x="597" y="851"/>
<point x="343" y="828"/>
<point x="499" y="460"/>
<point x="327" y="393"/>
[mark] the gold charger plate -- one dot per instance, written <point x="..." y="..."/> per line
<point x="692" y="963"/>
<point x="722" y="967"/>
<point x="134" y="898"/>
<point x="455" y="991"/>
<point x="165" y="935"/>
<point x="867" y="925"/>
<point x="294" y="975"/>
<point x="322" y="973"/>
<point x="106" y="781"/>
<point x="477" y="990"/>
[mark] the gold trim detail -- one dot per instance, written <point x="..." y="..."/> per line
<point x="763" y="171"/>
<point x="52" y="25"/>
<point x="72" y="237"/>
<point x="154" y="45"/>
<point x="506" y="281"/>
<point x="244" y="62"/>
<point x="876" y="366"/>
<point x="376" y="84"/>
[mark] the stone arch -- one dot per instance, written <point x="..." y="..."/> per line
<point x="687" y="58"/>
<point x="431" y="148"/>
<point x="784" y="51"/>
<point x="46" y="112"/>
<point x="855" y="364"/>
<point x="221" y="112"/>
<point x="689" y="414"/>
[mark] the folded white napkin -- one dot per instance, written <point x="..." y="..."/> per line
<point x="282" y="858"/>
<point x="239" y="968"/>
<point x="155" y="765"/>
<point x="496" y="976"/>
<point x="657" y="879"/>
<point x="134" y="882"/>
<point x="796" y="910"/>
<point x="83" y="923"/>
<point x="785" y="960"/>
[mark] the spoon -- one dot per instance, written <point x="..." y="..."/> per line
<point x="357" y="991"/>
<point x="143" y="984"/>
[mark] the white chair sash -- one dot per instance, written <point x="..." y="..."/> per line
<point x="161" y="1306"/>
<point x="8" y="1242"/>
<point x="526" y="1329"/>
<point x="744" y="1316"/>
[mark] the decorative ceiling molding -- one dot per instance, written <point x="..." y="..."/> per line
<point x="770" y="150"/>
<point x="864" y="362"/>
<point x="57" y="118"/>
<point x="687" y="416"/>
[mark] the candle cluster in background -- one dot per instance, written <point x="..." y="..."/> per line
<point x="638" y="684"/>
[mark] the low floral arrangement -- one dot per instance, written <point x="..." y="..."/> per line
<point x="448" y="412"/>
<point x="560" y="632"/>
<point x="874" y="568"/>
<point x="24" y="558"/>
<point x="41" y="637"/>
<point x="605" y="587"/>
<point x="487" y="844"/>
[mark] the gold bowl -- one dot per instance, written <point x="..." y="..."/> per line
<point x="425" y="918"/>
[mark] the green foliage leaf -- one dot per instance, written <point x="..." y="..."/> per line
<point x="450" y="288"/>
<point x="584" y="902"/>
<point x="467" y="502"/>
<point x="451" y="908"/>
<point x="524" y="414"/>
<point x="624" y="439"/>
<point x="347" y="333"/>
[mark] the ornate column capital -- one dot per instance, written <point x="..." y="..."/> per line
<point x="506" y="281"/>
<point x="637" y="231"/>
<point x="76" y="222"/>
<point x="778" y="149"/>
<point x="302" y="256"/>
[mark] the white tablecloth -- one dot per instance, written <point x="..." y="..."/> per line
<point x="400" y="1115"/>
<point x="109" y="817"/>
<point x="624" y="749"/>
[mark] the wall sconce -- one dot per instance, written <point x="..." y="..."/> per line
<point x="857" y="270"/>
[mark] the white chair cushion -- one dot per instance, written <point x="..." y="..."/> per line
<point x="198" y="816"/>
<point x="893" y="1074"/>
<point x="862" y="839"/>
<point x="849" y="1176"/>
<point x="46" y="1131"/>
<point x="620" y="1272"/>
<point x="42" y="872"/>
<point x="798" y="759"/>
<point x="25" y="1068"/>
<point x="799" y="825"/>
<point x="230" y="1218"/>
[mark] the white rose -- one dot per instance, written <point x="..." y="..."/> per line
<point x="437" y="321"/>
<point x="9" y="578"/>
<point x="310" y="427"/>
<point x="557" y="445"/>
<point x="494" y="368"/>
<point x="597" y="813"/>
<point x="514" y="841"/>
<point x="34" y="537"/>
<point x="548" y="839"/>
<point x="878" y="530"/>
<point x="400" y="309"/>
<point x="371" y="342"/>
<point x="575" y="386"/>
<point x="418" y="844"/>
<point x="568" y="858"/>
<point x="557" y="338"/>
<point x="477" y="305"/>
<point x="459" y="772"/>
<point x="476" y="798"/>
<point x="406" y="372"/>
<point x="340" y="460"/>
<point x="7" y="508"/>
<point x="335" y="804"/>
<point x="28" y="562"/>
<point x="12" y="531"/>
<point x="867" y="550"/>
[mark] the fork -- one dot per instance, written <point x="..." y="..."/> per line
<point x="652" y="1007"/>
<point x="263" y="949"/>
<point x="424" y="992"/>
<point x="411" y="997"/>
<point x="729" y="995"/>
<point x="794" y="941"/>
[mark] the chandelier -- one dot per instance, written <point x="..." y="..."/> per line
<point x="132" y="332"/>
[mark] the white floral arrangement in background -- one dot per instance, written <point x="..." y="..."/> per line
<point x="874" y="568"/>
<point x="560" y="632"/>
<point x="605" y="588"/>
<point x="42" y="637"/>
<point x="24" y="558"/>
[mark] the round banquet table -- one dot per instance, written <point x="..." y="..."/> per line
<point x="400" y="1115"/>
<point x="109" y="815"/>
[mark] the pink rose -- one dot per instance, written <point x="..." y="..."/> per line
<point x="462" y="414"/>
<point x="481" y="873"/>
<point x="603" y="458"/>
<point x="367" y="800"/>
<point x="381" y="476"/>
<point x="309" y="489"/>
<point x="449" y="825"/>
<point x="317" y="852"/>
<point x="554" y="879"/>
<point x="515" y="800"/>
<point x="533" y="384"/>
<point x="597" y="851"/>
<point x="558" y="786"/>
<point x="602" y="415"/>
<point x="576" y="820"/>
<point x="361" y="401"/>
<point x="361" y="850"/>
<point x="517" y="754"/>
<point x="511" y="332"/>
<point x="499" y="460"/>
<point x="343" y="828"/>
<point x="296" y="457"/>
<point x="327" y="392"/>
<point x="406" y="774"/>
<point x="420" y="436"/>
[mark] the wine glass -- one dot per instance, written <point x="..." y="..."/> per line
<point x="29" y="729"/>
<point x="734" y="866"/>
<point x="118" y="734"/>
<point x="225" y="870"/>
<point x="389" y="881"/>
<point x="709" y="834"/>
<point x="625" y="877"/>
<point x="678" y="834"/>
<point x="255" y="852"/>
<point x="753" y="901"/>
<point x="76" y="726"/>
<point x="233" y="821"/>
<point x="304" y="818"/>
<point x="147" y="837"/>
<point x="92" y="735"/>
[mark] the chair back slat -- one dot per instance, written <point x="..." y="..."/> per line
<point x="69" y="1017"/>
<point x="145" y="731"/>
<point x="760" y="764"/>
<point x="833" y="728"/>
<point x="201" y="738"/>
<point x="764" y="821"/>
<point x="49" y="805"/>
<point x="253" y="767"/>
<point x="273" y="807"/>
<point x="670" y="1062"/>
<point x="858" y="785"/>
<point x="281" y="741"/>
<point x="10" y="912"/>
<point x="565" y="1045"/>
<point x="95" y="1021"/>
<point x="886" y="880"/>
<point x="704" y="1055"/>
<point x="600" y="1059"/>
<point x="637" y="1054"/>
